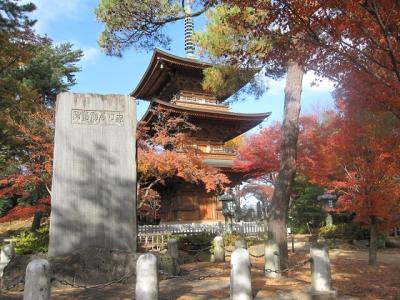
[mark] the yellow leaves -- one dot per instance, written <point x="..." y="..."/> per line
<point x="235" y="142"/>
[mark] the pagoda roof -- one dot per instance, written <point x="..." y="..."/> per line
<point x="161" y="69"/>
<point x="233" y="123"/>
<point x="157" y="73"/>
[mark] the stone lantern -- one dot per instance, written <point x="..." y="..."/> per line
<point x="228" y="208"/>
<point x="329" y="203"/>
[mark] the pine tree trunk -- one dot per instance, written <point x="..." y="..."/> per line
<point x="373" y="242"/>
<point x="277" y="219"/>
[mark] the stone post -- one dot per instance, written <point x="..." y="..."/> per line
<point x="241" y="244"/>
<point x="146" y="277"/>
<point x="320" y="269"/>
<point x="6" y="253"/>
<point x="240" y="288"/>
<point x="219" y="250"/>
<point x="37" y="280"/>
<point x="172" y="246"/>
<point x="272" y="261"/>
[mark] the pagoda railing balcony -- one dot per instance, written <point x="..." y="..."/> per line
<point x="195" y="99"/>
<point x="214" y="149"/>
<point x="223" y="150"/>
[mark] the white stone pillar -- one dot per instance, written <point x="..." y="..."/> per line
<point x="320" y="269"/>
<point x="146" y="277"/>
<point x="172" y="246"/>
<point x="272" y="260"/>
<point x="219" y="250"/>
<point x="37" y="280"/>
<point x="240" y="288"/>
<point x="6" y="253"/>
<point x="241" y="244"/>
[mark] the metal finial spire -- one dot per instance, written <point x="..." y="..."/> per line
<point x="189" y="45"/>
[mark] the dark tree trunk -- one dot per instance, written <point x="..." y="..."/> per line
<point x="277" y="221"/>
<point x="37" y="218"/>
<point x="373" y="242"/>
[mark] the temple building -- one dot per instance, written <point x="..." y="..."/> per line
<point x="174" y="83"/>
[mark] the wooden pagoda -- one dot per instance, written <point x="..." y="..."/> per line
<point x="174" y="83"/>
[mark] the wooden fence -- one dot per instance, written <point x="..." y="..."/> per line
<point x="154" y="237"/>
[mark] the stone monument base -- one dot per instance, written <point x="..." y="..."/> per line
<point x="87" y="266"/>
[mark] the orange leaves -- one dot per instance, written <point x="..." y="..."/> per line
<point x="359" y="160"/>
<point x="165" y="151"/>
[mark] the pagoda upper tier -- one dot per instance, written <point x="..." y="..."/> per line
<point x="169" y="77"/>
<point x="174" y="84"/>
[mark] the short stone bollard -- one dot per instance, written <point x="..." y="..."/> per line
<point x="320" y="269"/>
<point x="6" y="253"/>
<point x="272" y="260"/>
<point x="173" y="252"/>
<point x="219" y="249"/>
<point x="37" y="280"/>
<point x="146" y="277"/>
<point x="240" y="288"/>
<point x="241" y="244"/>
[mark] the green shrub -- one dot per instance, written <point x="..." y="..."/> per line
<point x="305" y="208"/>
<point x="347" y="231"/>
<point x="28" y="242"/>
<point x="5" y="205"/>
<point x="195" y="242"/>
<point x="231" y="238"/>
<point x="329" y="232"/>
<point x="255" y="240"/>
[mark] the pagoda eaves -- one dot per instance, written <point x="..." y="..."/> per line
<point x="214" y="124"/>
<point x="167" y="73"/>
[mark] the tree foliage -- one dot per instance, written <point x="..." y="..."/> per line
<point x="305" y="210"/>
<point x="357" y="155"/>
<point x="340" y="40"/>
<point x="259" y="156"/>
<point x="32" y="72"/>
<point x="51" y="71"/>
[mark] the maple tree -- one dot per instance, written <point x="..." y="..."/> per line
<point x="165" y="152"/>
<point x="357" y="155"/>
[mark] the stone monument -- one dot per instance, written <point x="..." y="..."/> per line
<point x="94" y="174"/>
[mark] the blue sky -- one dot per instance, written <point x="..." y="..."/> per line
<point x="74" y="21"/>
